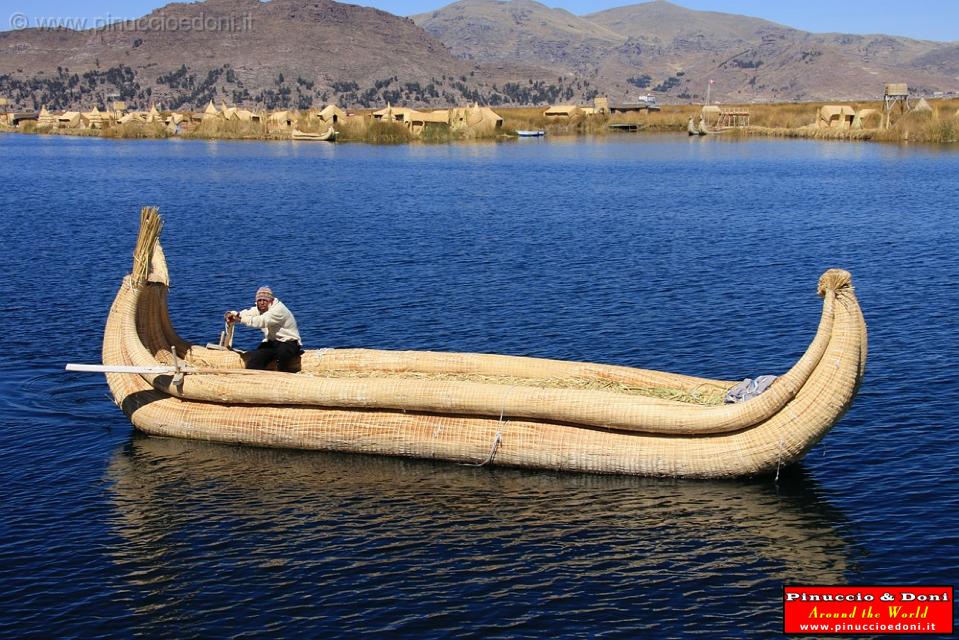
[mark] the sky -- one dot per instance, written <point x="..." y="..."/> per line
<point x="921" y="19"/>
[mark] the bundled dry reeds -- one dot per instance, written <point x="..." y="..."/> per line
<point x="702" y="394"/>
<point x="220" y="129"/>
<point x="135" y="130"/>
<point x="150" y="226"/>
<point x="364" y="129"/>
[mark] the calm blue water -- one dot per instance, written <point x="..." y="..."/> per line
<point x="694" y="256"/>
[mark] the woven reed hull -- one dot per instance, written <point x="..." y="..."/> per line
<point x="574" y="430"/>
<point x="326" y="136"/>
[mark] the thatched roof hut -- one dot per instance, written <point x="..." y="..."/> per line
<point x="68" y="120"/>
<point x="394" y="114"/>
<point x="245" y="115"/>
<point x="283" y="119"/>
<point x="134" y="117"/>
<point x="475" y="120"/>
<point x="210" y="112"/>
<point x="867" y="119"/>
<point x="332" y="114"/>
<point x="835" y="117"/>
<point x="95" y="118"/>
<point x="562" y="111"/>
<point x="46" y="119"/>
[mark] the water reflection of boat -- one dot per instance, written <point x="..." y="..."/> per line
<point x="168" y="492"/>
<point x="477" y="407"/>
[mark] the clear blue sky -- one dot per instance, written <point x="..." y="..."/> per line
<point x="924" y="19"/>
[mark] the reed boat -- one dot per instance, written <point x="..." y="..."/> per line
<point x="476" y="408"/>
<point x="327" y="136"/>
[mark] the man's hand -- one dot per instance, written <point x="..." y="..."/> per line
<point x="231" y="317"/>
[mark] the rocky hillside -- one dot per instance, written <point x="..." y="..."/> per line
<point x="301" y="53"/>
<point x="276" y="54"/>
<point x="674" y="52"/>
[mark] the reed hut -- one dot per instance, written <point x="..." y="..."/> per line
<point x="475" y="120"/>
<point x="282" y="120"/>
<point x="46" y="119"/>
<point x="154" y="116"/>
<point x="210" y="113"/>
<point x="68" y="120"/>
<point x="390" y="113"/>
<point x="867" y="119"/>
<point x="419" y="121"/>
<point x="563" y="112"/>
<point x="332" y="114"/>
<point x="133" y="117"/>
<point x="832" y="116"/>
<point x="95" y="118"/>
<point x="245" y="115"/>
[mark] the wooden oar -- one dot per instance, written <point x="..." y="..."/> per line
<point x="158" y="369"/>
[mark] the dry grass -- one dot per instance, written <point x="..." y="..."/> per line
<point x="379" y="132"/>
<point x="813" y="133"/>
<point x="219" y="129"/>
<point x="353" y="129"/>
<point x="136" y="130"/>
<point x="791" y="120"/>
<point x="936" y="126"/>
<point x="362" y="128"/>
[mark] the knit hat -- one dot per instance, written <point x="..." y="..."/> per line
<point x="264" y="293"/>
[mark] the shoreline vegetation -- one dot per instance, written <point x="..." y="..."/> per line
<point x="937" y="122"/>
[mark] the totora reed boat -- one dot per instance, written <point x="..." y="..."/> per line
<point x="475" y="408"/>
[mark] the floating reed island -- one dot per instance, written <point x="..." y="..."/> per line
<point x="914" y="121"/>
<point x="475" y="408"/>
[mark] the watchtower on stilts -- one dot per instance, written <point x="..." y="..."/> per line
<point x="895" y="98"/>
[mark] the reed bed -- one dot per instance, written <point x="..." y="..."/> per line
<point x="936" y="126"/>
<point x="218" y="129"/>
<point x="362" y="129"/>
<point x="811" y="132"/>
<point x="135" y="130"/>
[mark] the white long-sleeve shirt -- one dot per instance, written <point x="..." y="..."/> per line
<point x="277" y="322"/>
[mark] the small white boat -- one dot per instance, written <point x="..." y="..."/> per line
<point x="529" y="133"/>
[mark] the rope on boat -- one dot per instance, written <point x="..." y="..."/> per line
<point x="497" y="440"/>
<point x="779" y="463"/>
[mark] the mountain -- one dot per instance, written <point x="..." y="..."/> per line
<point x="519" y="31"/>
<point x="281" y="53"/>
<point x="663" y="24"/>
<point x="300" y="53"/>
<point x="663" y="47"/>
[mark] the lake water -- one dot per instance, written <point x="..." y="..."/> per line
<point x="696" y="256"/>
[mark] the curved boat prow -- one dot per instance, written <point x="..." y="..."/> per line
<point x="479" y="408"/>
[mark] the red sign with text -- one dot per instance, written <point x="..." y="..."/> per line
<point x="840" y="610"/>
